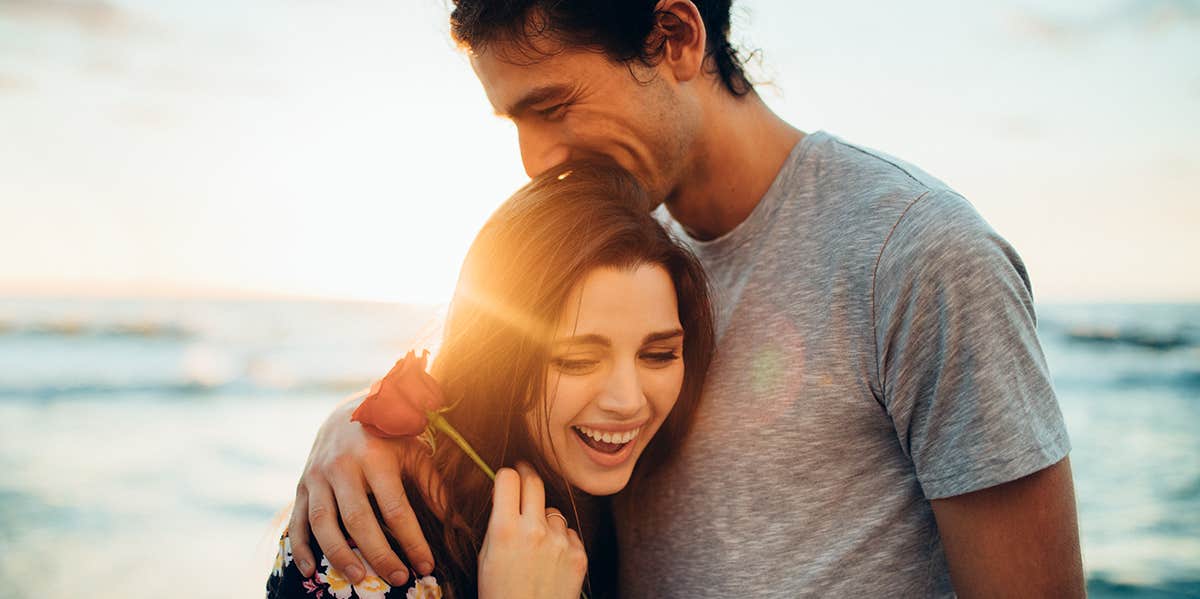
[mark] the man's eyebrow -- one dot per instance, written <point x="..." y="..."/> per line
<point x="535" y="96"/>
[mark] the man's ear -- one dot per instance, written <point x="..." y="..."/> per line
<point x="681" y="31"/>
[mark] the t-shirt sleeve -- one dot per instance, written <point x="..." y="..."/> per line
<point x="960" y="369"/>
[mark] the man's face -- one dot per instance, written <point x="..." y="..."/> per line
<point x="578" y="104"/>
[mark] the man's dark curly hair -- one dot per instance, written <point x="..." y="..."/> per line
<point x="624" y="29"/>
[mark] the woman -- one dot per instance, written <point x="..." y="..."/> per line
<point x="575" y="348"/>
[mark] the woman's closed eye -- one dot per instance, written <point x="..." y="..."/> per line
<point x="660" y="358"/>
<point x="575" y="365"/>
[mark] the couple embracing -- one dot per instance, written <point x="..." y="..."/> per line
<point x="709" y="355"/>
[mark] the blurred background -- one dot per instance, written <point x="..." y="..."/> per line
<point x="219" y="218"/>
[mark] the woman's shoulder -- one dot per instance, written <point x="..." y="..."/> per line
<point x="327" y="582"/>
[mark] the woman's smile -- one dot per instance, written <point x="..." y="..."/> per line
<point x="607" y="448"/>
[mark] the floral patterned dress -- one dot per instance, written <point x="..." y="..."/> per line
<point x="327" y="582"/>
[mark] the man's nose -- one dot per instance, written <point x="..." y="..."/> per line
<point x="540" y="151"/>
<point x="623" y="395"/>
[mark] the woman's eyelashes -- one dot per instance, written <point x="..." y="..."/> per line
<point x="571" y="365"/>
<point x="575" y="365"/>
<point x="660" y="358"/>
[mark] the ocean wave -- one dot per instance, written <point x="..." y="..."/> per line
<point x="1160" y="341"/>
<point x="74" y="329"/>
<point x="175" y="390"/>
<point x="1100" y="587"/>
<point x="1187" y="381"/>
<point x="1184" y="381"/>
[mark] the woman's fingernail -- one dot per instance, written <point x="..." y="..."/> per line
<point x="398" y="578"/>
<point x="355" y="573"/>
<point x="304" y="567"/>
<point x="425" y="568"/>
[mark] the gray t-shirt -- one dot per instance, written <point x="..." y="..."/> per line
<point x="876" y="349"/>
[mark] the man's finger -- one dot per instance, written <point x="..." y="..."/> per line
<point x="506" y="496"/>
<point x="323" y="517"/>
<point x="364" y="529"/>
<point x="533" y="492"/>
<point x="297" y="532"/>
<point x="400" y="519"/>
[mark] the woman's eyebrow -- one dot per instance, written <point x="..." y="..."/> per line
<point x="594" y="339"/>
<point x="662" y="336"/>
<point x="591" y="339"/>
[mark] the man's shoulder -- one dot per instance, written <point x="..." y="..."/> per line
<point x="850" y="194"/>
<point x="843" y="168"/>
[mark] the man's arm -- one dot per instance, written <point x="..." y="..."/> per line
<point x="1018" y="539"/>
<point x="344" y="465"/>
<point x="966" y="384"/>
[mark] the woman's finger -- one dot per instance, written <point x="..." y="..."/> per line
<point x="297" y="532"/>
<point x="506" y="496"/>
<point x="533" y="492"/>
<point x="556" y="520"/>
<point x="573" y="538"/>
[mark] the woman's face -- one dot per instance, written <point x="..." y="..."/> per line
<point x="616" y="369"/>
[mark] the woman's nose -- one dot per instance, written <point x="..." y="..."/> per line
<point x="623" y="395"/>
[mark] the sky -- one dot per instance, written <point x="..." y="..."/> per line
<point x="345" y="150"/>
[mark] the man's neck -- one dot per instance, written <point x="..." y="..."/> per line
<point x="738" y="155"/>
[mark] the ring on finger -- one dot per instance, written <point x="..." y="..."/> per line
<point x="558" y="515"/>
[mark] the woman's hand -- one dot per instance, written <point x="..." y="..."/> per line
<point x="527" y="553"/>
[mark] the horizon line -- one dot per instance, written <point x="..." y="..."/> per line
<point x="160" y="290"/>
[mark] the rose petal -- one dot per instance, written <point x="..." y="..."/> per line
<point x="398" y="403"/>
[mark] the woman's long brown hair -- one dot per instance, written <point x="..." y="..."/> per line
<point x="492" y="364"/>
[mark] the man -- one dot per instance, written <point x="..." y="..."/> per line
<point x="878" y="420"/>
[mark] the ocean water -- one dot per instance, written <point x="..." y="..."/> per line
<point x="149" y="448"/>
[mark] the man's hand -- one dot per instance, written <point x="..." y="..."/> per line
<point x="528" y="551"/>
<point x="1018" y="539"/>
<point x="345" y="464"/>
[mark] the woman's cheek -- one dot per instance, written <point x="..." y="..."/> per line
<point x="665" y="387"/>
<point x="569" y="397"/>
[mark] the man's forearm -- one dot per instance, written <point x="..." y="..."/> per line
<point x="1018" y="539"/>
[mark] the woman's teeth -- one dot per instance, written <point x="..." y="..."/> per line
<point x="609" y="437"/>
<point x="606" y="442"/>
